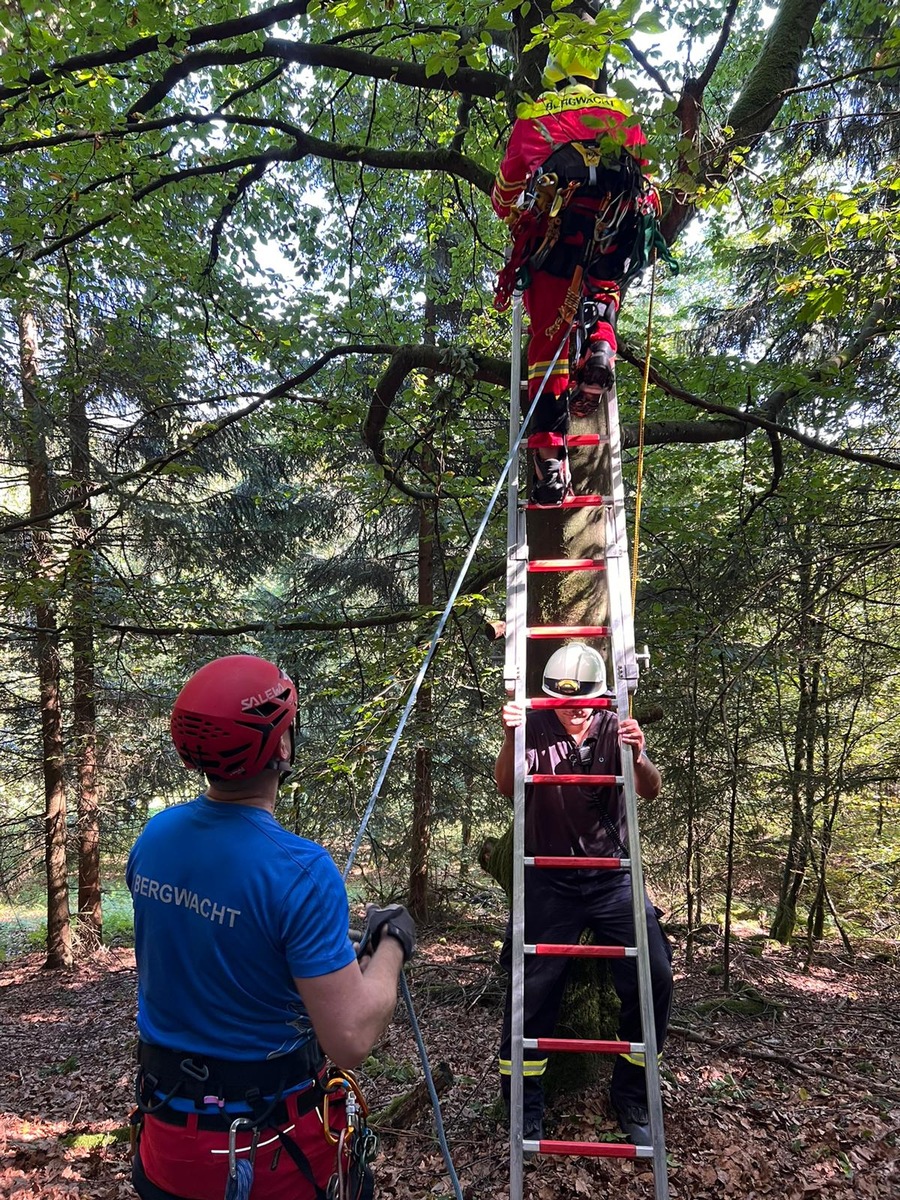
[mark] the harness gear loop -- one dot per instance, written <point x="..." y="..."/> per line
<point x="639" y="481"/>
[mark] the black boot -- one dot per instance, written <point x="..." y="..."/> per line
<point x="595" y="374"/>
<point x="551" y="480"/>
<point x="634" y="1121"/>
<point x="628" y="1098"/>
<point x="532" y="1107"/>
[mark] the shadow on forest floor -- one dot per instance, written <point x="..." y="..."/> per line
<point x="798" y="1101"/>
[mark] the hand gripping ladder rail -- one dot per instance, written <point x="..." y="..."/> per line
<point x="621" y="634"/>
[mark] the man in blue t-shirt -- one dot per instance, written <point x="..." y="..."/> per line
<point x="246" y="971"/>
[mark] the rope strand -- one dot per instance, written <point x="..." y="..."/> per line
<point x="639" y="481"/>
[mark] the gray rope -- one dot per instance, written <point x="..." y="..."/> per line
<point x="432" y="1090"/>
<point x="451" y="600"/>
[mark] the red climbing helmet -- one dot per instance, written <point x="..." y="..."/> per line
<point x="229" y="717"/>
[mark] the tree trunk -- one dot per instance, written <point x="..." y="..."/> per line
<point x="423" y="794"/>
<point x="734" y="757"/>
<point x="59" y="933"/>
<point x="84" y="710"/>
<point x="803" y="784"/>
<point x="693" y="916"/>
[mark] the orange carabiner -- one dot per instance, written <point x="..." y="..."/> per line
<point x="345" y="1083"/>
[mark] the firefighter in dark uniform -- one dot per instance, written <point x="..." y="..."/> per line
<point x="560" y="904"/>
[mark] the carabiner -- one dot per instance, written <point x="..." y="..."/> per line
<point x="347" y="1083"/>
<point x="236" y="1124"/>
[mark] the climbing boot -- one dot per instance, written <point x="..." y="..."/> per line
<point x="550" y="484"/>
<point x="594" y="375"/>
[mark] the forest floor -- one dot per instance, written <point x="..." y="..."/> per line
<point x="798" y="1102"/>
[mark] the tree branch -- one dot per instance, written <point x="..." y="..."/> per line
<point x="754" y="418"/>
<point x="805" y="1068"/>
<point x="141" y="47"/>
<point x="775" y="71"/>
<point x="203" y="433"/>
<point x="465" y="80"/>
<point x="404" y="360"/>
<point x="713" y="61"/>
<point x="639" y="57"/>
<point x="448" y="160"/>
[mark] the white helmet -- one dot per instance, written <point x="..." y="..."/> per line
<point x="575" y="671"/>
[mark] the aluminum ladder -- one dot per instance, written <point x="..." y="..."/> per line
<point x="620" y="631"/>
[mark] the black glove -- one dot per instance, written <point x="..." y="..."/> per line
<point x="395" y="921"/>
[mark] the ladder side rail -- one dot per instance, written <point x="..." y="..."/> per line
<point x="514" y="681"/>
<point x="510" y="662"/>
<point x="626" y="674"/>
<point x="618" y="569"/>
<point x="645" y="988"/>
<point x="517" y="966"/>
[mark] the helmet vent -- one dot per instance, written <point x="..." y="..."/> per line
<point x="267" y="709"/>
<point x="196" y="726"/>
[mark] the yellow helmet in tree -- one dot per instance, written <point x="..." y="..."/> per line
<point x="571" y="63"/>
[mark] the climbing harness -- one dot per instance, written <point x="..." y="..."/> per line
<point x="204" y="1087"/>
<point x="581" y="207"/>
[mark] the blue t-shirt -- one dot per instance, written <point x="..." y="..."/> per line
<point x="229" y="908"/>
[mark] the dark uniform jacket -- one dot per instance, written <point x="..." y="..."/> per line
<point x="568" y="819"/>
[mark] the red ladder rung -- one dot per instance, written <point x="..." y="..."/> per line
<point x="589" y="1149"/>
<point x="587" y="501"/>
<point x="575" y="439"/>
<point x="567" y="564"/>
<point x="585" y="780"/>
<point x="553" y="950"/>
<point x="566" y="631"/>
<point x="566" y="862"/>
<point x="538" y="702"/>
<point x="584" y="1045"/>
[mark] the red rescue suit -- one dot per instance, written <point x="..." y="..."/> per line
<point x="577" y="113"/>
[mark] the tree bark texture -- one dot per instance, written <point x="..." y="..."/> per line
<point x="35" y="421"/>
<point x="84" y="707"/>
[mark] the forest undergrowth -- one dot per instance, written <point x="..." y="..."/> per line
<point x="798" y="1101"/>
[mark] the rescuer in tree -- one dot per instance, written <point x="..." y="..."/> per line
<point x="567" y="820"/>
<point x="573" y="192"/>
<point x="246" y="971"/>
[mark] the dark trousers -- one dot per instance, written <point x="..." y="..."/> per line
<point x="558" y="906"/>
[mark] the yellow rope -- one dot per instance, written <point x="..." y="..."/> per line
<point x="639" y="482"/>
